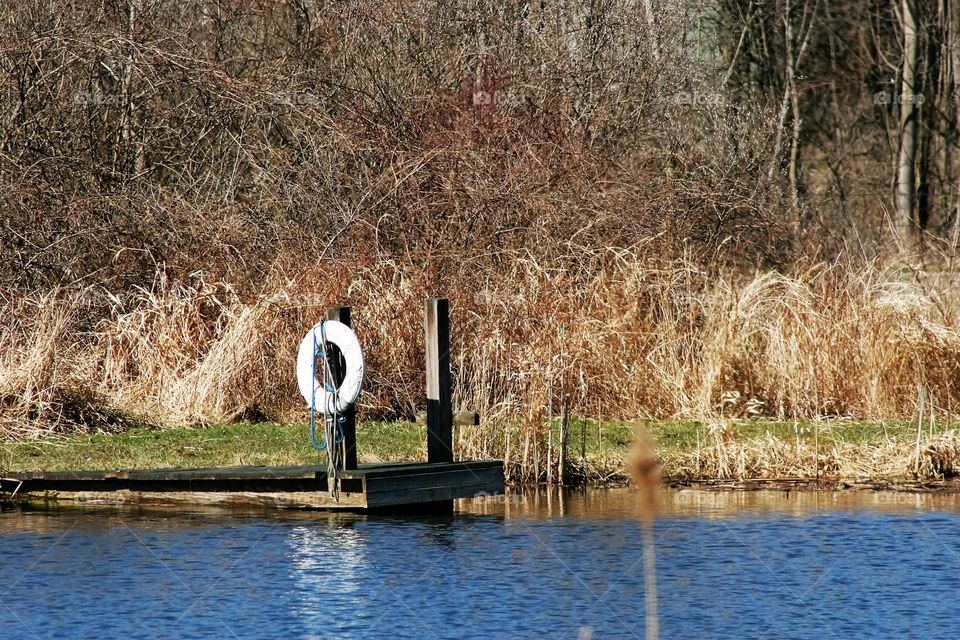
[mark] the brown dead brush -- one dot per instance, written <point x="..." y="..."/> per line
<point x="44" y="357"/>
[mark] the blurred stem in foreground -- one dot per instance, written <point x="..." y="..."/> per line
<point x="646" y="477"/>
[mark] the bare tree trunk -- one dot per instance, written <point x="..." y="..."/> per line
<point x="947" y="112"/>
<point x="791" y="95"/>
<point x="736" y="52"/>
<point x="953" y="26"/>
<point x="906" y="225"/>
<point x="793" y="170"/>
<point x="652" y="26"/>
<point x="127" y="160"/>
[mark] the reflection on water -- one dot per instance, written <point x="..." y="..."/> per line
<point x="531" y="564"/>
<point x="324" y="560"/>
<point x="624" y="503"/>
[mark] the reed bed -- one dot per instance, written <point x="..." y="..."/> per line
<point x="770" y="457"/>
<point x="607" y="333"/>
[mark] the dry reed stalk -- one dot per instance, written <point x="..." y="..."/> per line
<point x="940" y="457"/>
<point x="646" y="478"/>
<point x="768" y="457"/>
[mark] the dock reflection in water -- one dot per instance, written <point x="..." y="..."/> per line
<point x="532" y="564"/>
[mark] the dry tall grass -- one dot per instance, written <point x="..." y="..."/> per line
<point x="610" y="333"/>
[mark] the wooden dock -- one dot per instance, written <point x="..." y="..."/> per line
<point x="368" y="487"/>
<point x="428" y="486"/>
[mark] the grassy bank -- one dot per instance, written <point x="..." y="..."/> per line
<point x="613" y="334"/>
<point x="595" y="450"/>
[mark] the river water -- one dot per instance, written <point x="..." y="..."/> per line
<point x="762" y="564"/>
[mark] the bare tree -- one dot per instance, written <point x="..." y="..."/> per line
<point x="906" y="225"/>
<point x="794" y="46"/>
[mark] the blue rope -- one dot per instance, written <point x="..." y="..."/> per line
<point x="321" y="446"/>
<point x="313" y="398"/>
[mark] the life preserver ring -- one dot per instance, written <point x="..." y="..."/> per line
<point x="313" y="390"/>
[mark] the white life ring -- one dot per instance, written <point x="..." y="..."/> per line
<point x="313" y="390"/>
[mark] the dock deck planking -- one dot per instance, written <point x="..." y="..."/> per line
<point x="367" y="487"/>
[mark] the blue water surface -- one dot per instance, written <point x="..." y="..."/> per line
<point x="494" y="573"/>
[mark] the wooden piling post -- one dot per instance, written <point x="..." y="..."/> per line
<point x="342" y="314"/>
<point x="436" y="326"/>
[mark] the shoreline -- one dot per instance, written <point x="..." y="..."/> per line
<point x="732" y="455"/>
<point x="946" y="486"/>
<point x="302" y="503"/>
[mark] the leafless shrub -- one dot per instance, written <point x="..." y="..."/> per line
<point x="146" y="135"/>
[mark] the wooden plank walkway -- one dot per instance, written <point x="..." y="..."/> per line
<point x="366" y="487"/>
